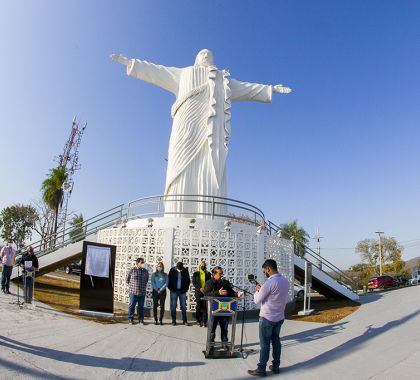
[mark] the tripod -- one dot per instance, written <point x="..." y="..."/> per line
<point x="18" y="302"/>
<point x="241" y="349"/>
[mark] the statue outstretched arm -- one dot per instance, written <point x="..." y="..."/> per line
<point x="120" y="59"/>
<point x="255" y="91"/>
<point x="250" y="91"/>
<point x="162" y="76"/>
<point x="280" y="89"/>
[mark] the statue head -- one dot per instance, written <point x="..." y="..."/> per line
<point x="204" y="58"/>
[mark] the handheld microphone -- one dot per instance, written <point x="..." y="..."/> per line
<point x="253" y="279"/>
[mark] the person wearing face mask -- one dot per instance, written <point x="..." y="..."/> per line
<point x="178" y="284"/>
<point x="7" y="256"/>
<point x="217" y="286"/>
<point x="137" y="278"/>
<point x="273" y="298"/>
<point x="159" y="283"/>
<point x="200" y="277"/>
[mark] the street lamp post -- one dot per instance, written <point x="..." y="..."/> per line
<point x="380" y="252"/>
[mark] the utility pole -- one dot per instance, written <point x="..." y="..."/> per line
<point x="318" y="249"/>
<point x="380" y="252"/>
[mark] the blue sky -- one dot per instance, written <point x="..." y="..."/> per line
<point x="340" y="153"/>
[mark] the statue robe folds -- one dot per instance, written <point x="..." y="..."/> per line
<point x="200" y="132"/>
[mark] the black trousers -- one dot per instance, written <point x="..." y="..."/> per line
<point x="201" y="310"/>
<point x="224" y="323"/>
<point x="158" y="298"/>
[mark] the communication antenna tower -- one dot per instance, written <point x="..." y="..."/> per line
<point x="70" y="160"/>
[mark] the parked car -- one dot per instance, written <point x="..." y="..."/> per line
<point x="413" y="281"/>
<point x="381" y="282"/>
<point x="402" y="280"/>
<point x="299" y="292"/>
<point x="75" y="267"/>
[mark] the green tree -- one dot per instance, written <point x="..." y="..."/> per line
<point x="299" y="235"/>
<point x="391" y="252"/>
<point x="52" y="191"/>
<point x="17" y="223"/>
<point x="77" y="231"/>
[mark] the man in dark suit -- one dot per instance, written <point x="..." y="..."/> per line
<point x="219" y="287"/>
<point x="179" y="283"/>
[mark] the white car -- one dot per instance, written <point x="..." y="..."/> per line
<point x="299" y="292"/>
<point x="413" y="281"/>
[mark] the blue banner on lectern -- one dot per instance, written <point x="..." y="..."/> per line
<point x="224" y="306"/>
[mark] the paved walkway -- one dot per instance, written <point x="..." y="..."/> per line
<point x="379" y="341"/>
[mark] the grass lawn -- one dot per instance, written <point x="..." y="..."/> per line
<point x="326" y="311"/>
<point x="63" y="295"/>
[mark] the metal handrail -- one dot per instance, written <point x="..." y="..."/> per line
<point x="273" y="229"/>
<point x="119" y="213"/>
<point x="258" y="215"/>
<point x="63" y="238"/>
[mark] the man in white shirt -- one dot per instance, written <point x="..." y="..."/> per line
<point x="273" y="298"/>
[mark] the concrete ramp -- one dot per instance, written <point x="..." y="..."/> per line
<point x="59" y="257"/>
<point x="322" y="282"/>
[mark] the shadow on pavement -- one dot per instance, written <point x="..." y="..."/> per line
<point x="314" y="334"/>
<point x="29" y="372"/>
<point x="349" y="346"/>
<point x="369" y="297"/>
<point x="123" y="364"/>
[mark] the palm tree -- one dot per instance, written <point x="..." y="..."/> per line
<point x="299" y="236"/>
<point x="77" y="231"/>
<point x="52" y="191"/>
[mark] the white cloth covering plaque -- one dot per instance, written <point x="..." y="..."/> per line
<point x="97" y="261"/>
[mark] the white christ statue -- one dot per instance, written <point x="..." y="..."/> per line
<point x="198" y="144"/>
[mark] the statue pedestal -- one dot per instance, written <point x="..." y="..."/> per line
<point x="239" y="248"/>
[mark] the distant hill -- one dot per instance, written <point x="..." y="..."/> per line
<point x="412" y="263"/>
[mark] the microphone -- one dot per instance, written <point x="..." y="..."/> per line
<point x="253" y="279"/>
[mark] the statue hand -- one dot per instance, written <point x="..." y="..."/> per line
<point x="120" y="59"/>
<point x="281" y="90"/>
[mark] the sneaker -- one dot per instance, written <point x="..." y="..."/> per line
<point x="173" y="323"/>
<point x="185" y="323"/>
<point x="274" y="370"/>
<point x="256" y="372"/>
<point x="142" y="322"/>
<point x="131" y="321"/>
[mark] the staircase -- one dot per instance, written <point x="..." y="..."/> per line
<point x="63" y="248"/>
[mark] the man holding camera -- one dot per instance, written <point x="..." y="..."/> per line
<point x="273" y="298"/>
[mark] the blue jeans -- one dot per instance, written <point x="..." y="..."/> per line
<point x="175" y="294"/>
<point x="224" y="323"/>
<point x="269" y="332"/>
<point x="135" y="299"/>
<point x="5" y="276"/>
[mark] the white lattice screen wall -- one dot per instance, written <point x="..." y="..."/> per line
<point x="133" y="243"/>
<point x="236" y="252"/>
<point x="281" y="250"/>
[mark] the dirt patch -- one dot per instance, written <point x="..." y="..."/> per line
<point x="326" y="311"/>
<point x="63" y="295"/>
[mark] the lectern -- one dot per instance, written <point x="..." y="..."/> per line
<point x="221" y="307"/>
